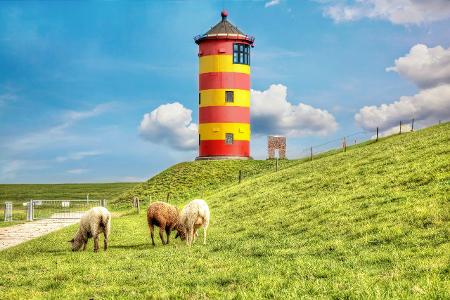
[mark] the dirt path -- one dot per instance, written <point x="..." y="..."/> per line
<point x="17" y="234"/>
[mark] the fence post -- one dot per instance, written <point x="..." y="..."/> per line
<point x="30" y="211"/>
<point x="400" y="127"/>
<point x="276" y="165"/>
<point x="167" y="198"/>
<point x="439" y="122"/>
<point x="8" y="212"/>
<point x="138" y="206"/>
<point x="311" y="154"/>
<point x="377" y="135"/>
<point x="344" y="144"/>
<point x="103" y="202"/>
<point x="412" y="124"/>
<point x="240" y="176"/>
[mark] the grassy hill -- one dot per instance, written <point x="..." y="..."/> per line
<point x="189" y="180"/>
<point x="373" y="222"/>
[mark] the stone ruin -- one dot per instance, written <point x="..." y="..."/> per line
<point x="275" y="143"/>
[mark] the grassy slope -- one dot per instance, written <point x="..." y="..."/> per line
<point x="189" y="180"/>
<point x="369" y="223"/>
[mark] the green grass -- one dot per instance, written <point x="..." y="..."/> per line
<point x="370" y="223"/>
<point x="24" y="192"/>
<point x="189" y="180"/>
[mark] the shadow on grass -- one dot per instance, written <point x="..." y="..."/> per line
<point x="57" y="251"/>
<point x="133" y="246"/>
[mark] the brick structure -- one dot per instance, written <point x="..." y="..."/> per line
<point x="276" y="143"/>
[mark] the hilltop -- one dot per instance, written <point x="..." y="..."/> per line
<point x="189" y="180"/>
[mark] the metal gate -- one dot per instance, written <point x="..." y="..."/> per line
<point x="60" y="209"/>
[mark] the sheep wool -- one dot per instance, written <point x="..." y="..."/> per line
<point x="166" y="217"/>
<point x="193" y="216"/>
<point x="95" y="221"/>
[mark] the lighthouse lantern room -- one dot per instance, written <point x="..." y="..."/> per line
<point x="224" y="92"/>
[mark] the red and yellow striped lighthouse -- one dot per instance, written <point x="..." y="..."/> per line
<point x="224" y="92"/>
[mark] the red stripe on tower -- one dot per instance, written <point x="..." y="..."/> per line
<point x="222" y="80"/>
<point x="216" y="47"/>
<point x="224" y="114"/>
<point x="219" y="148"/>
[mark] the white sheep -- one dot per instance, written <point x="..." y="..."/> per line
<point x="194" y="215"/>
<point x="95" y="221"/>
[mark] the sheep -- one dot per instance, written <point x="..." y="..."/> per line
<point x="166" y="217"/>
<point x="95" y="221"/>
<point x="194" y="215"/>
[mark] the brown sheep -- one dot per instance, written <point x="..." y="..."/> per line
<point x="166" y="217"/>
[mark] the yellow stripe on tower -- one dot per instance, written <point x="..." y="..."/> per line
<point x="216" y="131"/>
<point x="221" y="63"/>
<point x="216" y="97"/>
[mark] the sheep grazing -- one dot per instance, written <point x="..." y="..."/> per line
<point x="193" y="216"/>
<point x="166" y="217"/>
<point x="95" y="221"/>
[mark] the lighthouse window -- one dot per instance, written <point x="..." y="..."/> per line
<point x="229" y="96"/>
<point x="228" y="138"/>
<point x="241" y="54"/>
<point x="199" y="98"/>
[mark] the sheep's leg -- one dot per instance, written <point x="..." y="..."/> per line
<point x="195" y="235"/>
<point x="161" y="234"/>
<point x="168" y="234"/>
<point x="105" y="241"/>
<point x="96" y="243"/>
<point x="84" y="246"/>
<point x="188" y="236"/>
<point x="191" y="234"/>
<point x="151" y="234"/>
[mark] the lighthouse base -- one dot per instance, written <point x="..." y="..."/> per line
<point x="223" y="157"/>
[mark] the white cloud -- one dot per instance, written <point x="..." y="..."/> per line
<point x="78" y="155"/>
<point x="272" y="3"/>
<point x="426" y="67"/>
<point x="170" y="124"/>
<point x="271" y="113"/>
<point x="72" y="116"/>
<point x="396" y="11"/>
<point x="77" y="171"/>
<point x="56" y="135"/>
<point x="10" y="168"/>
<point x="429" y="68"/>
<point x="428" y="105"/>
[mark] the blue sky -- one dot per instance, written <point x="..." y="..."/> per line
<point x="77" y="78"/>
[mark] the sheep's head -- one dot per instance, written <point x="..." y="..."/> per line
<point x="76" y="244"/>
<point x="180" y="232"/>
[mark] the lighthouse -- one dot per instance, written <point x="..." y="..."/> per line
<point x="224" y="92"/>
